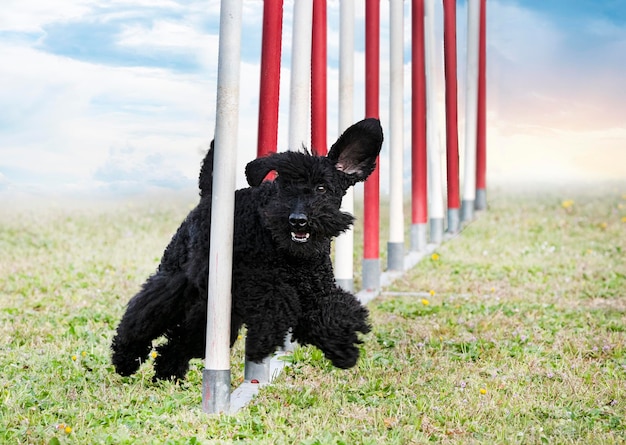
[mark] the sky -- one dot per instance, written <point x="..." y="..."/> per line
<point x="117" y="97"/>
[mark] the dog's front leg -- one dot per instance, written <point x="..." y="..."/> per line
<point x="269" y="309"/>
<point x="332" y="323"/>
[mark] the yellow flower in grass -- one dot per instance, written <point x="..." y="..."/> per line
<point x="432" y="293"/>
<point x="63" y="427"/>
<point x="603" y="225"/>
<point x="567" y="203"/>
<point x="435" y="256"/>
<point x="425" y="302"/>
<point x="74" y="358"/>
<point x="154" y="354"/>
<point x="483" y="391"/>
<point x="624" y="219"/>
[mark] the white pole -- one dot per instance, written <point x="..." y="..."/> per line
<point x="344" y="244"/>
<point x="300" y="89"/>
<point x="395" y="246"/>
<point x="216" y="375"/>
<point x="471" y="111"/>
<point x="435" y="189"/>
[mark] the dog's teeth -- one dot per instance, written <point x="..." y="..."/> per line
<point x="300" y="237"/>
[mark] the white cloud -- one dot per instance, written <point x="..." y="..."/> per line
<point x="73" y="123"/>
<point x="33" y="15"/>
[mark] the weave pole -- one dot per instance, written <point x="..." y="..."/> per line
<point x="471" y="113"/>
<point x="481" y="137"/>
<point x="319" y="143"/>
<point x="435" y="188"/>
<point x="269" y="90"/>
<point x="267" y="141"/>
<point x="216" y="374"/>
<point x="395" y="246"/>
<point x="299" y="103"/>
<point x="371" y="213"/>
<point x="452" y="129"/>
<point x="419" y="182"/>
<point x="344" y="243"/>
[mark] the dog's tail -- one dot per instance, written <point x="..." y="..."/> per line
<point x="205" y="182"/>
<point x="147" y="317"/>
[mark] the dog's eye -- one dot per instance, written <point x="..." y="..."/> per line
<point x="320" y="189"/>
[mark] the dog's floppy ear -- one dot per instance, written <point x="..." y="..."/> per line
<point x="258" y="169"/>
<point x="356" y="150"/>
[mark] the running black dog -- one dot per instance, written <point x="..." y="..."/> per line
<point x="282" y="271"/>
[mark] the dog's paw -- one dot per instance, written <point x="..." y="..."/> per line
<point x="344" y="358"/>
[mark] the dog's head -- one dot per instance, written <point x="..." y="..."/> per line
<point x="304" y="212"/>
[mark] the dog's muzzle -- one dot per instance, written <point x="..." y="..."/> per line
<point x="299" y="224"/>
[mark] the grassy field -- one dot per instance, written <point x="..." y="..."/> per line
<point x="513" y="332"/>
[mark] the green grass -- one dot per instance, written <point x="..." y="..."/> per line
<point x="514" y="332"/>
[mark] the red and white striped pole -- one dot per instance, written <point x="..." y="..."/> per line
<point x="419" y="177"/>
<point x="371" y="214"/>
<point x="319" y="143"/>
<point x="452" y="128"/>
<point x="269" y="90"/>
<point x="481" y="136"/>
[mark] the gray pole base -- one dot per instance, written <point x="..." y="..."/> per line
<point x="453" y="221"/>
<point x="436" y="230"/>
<point x="467" y="210"/>
<point x="418" y="238"/>
<point x="289" y="346"/>
<point x="346" y="284"/>
<point x="257" y="372"/>
<point x="395" y="256"/>
<point x="481" y="199"/>
<point x="215" y="391"/>
<point x="371" y="274"/>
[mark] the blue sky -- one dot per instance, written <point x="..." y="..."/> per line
<point x="118" y="96"/>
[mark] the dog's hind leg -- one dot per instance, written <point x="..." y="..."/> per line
<point x="187" y="340"/>
<point x="149" y="314"/>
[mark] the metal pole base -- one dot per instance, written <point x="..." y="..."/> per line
<point x="453" y="221"/>
<point x="395" y="256"/>
<point x="436" y="230"/>
<point x="346" y="284"/>
<point x="418" y="238"/>
<point x="215" y="391"/>
<point x="467" y="210"/>
<point x="481" y="199"/>
<point x="371" y="274"/>
<point x="257" y="372"/>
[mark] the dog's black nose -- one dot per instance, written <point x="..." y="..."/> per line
<point x="298" y="220"/>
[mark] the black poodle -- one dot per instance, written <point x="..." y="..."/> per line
<point x="282" y="271"/>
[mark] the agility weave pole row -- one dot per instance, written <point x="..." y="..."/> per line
<point x="427" y="184"/>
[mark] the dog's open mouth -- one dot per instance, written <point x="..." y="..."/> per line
<point x="300" y="237"/>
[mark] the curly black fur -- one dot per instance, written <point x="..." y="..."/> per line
<point x="282" y="272"/>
